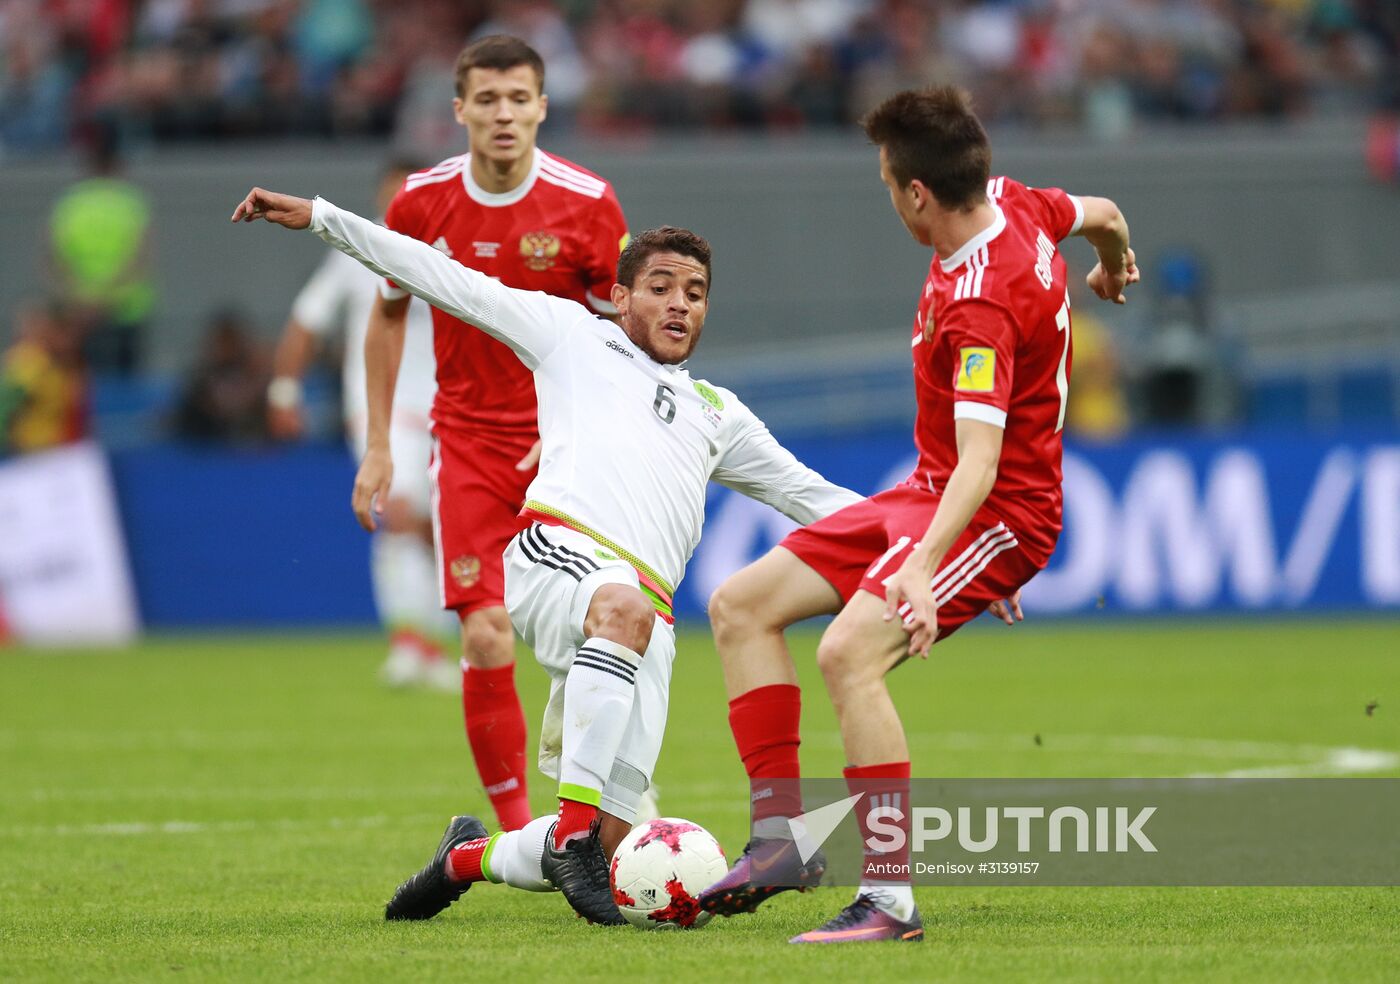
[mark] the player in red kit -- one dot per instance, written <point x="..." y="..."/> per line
<point x="976" y="520"/>
<point x="537" y="222"/>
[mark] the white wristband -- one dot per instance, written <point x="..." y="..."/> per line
<point x="284" y="393"/>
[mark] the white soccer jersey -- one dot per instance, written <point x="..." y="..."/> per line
<point x="338" y="297"/>
<point x="628" y="444"/>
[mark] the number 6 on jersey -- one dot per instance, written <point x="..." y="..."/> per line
<point x="665" y="403"/>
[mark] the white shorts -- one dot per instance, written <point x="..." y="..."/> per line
<point x="411" y="448"/>
<point x="551" y="575"/>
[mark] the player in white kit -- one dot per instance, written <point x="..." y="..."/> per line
<point x="403" y="573"/>
<point x="629" y="443"/>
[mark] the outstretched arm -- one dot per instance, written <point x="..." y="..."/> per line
<point x="755" y="464"/>
<point x="1107" y="231"/>
<point x="527" y="321"/>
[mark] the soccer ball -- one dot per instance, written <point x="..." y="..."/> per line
<point x="660" y="868"/>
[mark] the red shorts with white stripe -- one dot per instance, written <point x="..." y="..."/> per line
<point x="861" y="546"/>
<point x="476" y="498"/>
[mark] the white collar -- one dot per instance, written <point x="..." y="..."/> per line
<point x="481" y="196"/>
<point x="976" y="242"/>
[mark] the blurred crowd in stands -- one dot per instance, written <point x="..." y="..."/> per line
<point x="93" y="75"/>
<point x="216" y="69"/>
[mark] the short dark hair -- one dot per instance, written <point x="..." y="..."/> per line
<point x="500" y="52"/>
<point x="932" y="135"/>
<point x="663" y="239"/>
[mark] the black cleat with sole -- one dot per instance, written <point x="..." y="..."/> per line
<point x="580" y="871"/>
<point x="430" y="891"/>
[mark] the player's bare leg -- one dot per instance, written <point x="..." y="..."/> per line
<point x="749" y="613"/>
<point x="611" y="830"/>
<point x="599" y="692"/>
<point x="856" y="652"/>
<point x="495" y="720"/>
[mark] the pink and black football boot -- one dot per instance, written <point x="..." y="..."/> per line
<point x="863" y="921"/>
<point x="768" y="866"/>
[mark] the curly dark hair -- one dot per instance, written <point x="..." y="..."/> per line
<point x="664" y="239"/>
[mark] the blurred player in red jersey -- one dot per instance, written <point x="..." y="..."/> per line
<point x="535" y="222"/>
<point x="976" y="520"/>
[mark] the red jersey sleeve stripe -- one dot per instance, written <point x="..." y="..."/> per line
<point x="562" y="170"/>
<point x="577" y="189"/>
<point x="444" y="171"/>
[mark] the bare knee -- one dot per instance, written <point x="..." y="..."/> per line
<point x="832" y="654"/>
<point x="744" y="606"/>
<point x="397" y="516"/>
<point x="400" y="517"/>
<point x="846" y="658"/>
<point x="621" y="614"/>
<point x="487" y="638"/>
<point x="731" y="610"/>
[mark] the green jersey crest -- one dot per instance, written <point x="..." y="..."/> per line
<point x="711" y="397"/>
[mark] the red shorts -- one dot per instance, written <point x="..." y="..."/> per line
<point x="861" y="546"/>
<point x="477" y="495"/>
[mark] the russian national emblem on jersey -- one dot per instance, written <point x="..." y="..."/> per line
<point x="539" y="250"/>
<point x="466" y="571"/>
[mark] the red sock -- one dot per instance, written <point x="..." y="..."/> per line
<point x="574" y="820"/>
<point x="464" y="860"/>
<point x="765" y="723"/>
<point x="496" y="733"/>
<point x="885" y="785"/>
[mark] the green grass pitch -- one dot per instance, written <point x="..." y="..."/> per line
<point x="238" y="808"/>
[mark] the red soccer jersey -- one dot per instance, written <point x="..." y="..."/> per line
<point x="559" y="232"/>
<point x="1000" y="353"/>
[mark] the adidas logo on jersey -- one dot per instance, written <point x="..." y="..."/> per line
<point x="440" y="244"/>
<point x="618" y="348"/>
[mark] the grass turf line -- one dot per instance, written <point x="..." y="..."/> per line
<point x="239" y="808"/>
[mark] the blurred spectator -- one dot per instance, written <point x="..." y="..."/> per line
<point x="215" y="69"/>
<point x="43" y="388"/>
<point x="1187" y="369"/>
<point x="1380" y="23"/>
<point x="99" y="234"/>
<point x="223" y="397"/>
<point x="1098" y="407"/>
<point x="37" y="81"/>
<point x="543" y="26"/>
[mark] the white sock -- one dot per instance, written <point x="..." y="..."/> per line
<point x="404" y="576"/>
<point x="598" y="694"/>
<point x="772" y="828"/>
<point x="515" y="857"/>
<point x="896" y="898"/>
